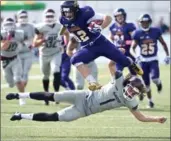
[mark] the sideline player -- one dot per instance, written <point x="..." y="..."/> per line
<point x="48" y="40"/>
<point x="25" y="53"/>
<point x="146" y="38"/>
<point x="78" y="21"/>
<point x="120" y="34"/>
<point x="121" y="92"/>
<point x="11" y="40"/>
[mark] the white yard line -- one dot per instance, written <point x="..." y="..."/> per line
<point x="84" y="139"/>
<point x="83" y="127"/>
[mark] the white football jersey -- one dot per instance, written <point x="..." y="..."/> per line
<point x="15" y="45"/>
<point x="52" y="44"/>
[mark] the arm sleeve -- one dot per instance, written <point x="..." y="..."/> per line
<point x="135" y="108"/>
<point x="133" y="104"/>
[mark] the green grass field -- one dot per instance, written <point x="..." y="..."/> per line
<point x="113" y="125"/>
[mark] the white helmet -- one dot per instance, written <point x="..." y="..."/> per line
<point x="8" y="25"/>
<point x="22" y="17"/>
<point x="49" y="16"/>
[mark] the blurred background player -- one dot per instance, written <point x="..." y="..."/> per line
<point x="146" y="38"/>
<point x="50" y="49"/>
<point x="66" y="82"/>
<point x="11" y="40"/>
<point x="25" y="53"/>
<point x="78" y="78"/>
<point x="80" y="22"/>
<point x="120" y="35"/>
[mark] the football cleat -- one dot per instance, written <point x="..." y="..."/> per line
<point x="150" y="105"/>
<point x="159" y="88"/>
<point x="94" y="86"/>
<point x="137" y="69"/>
<point x="16" y="116"/>
<point x="11" y="96"/>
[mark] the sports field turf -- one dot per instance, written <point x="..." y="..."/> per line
<point x="113" y="125"/>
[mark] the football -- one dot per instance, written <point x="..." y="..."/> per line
<point x="95" y="22"/>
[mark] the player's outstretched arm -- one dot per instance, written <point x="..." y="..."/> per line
<point x="132" y="48"/>
<point x="145" y="118"/>
<point x="164" y="45"/>
<point x="38" y="40"/>
<point x="106" y="21"/>
<point x="5" y="42"/>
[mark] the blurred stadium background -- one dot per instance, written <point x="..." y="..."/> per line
<point x="157" y="9"/>
<point x="114" y="125"/>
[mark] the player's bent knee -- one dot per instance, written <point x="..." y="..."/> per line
<point x="74" y="60"/>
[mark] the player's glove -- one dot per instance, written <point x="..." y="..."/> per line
<point x="94" y="28"/>
<point x="167" y="60"/>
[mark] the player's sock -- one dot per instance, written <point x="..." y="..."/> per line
<point x="24" y="95"/>
<point x="36" y="96"/>
<point x="90" y="79"/>
<point x="27" y="116"/>
<point x="149" y="94"/>
<point x="45" y="85"/>
<point x="45" y="117"/>
<point x="57" y="81"/>
<point x="42" y="96"/>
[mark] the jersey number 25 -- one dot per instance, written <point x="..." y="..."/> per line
<point x="147" y="49"/>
